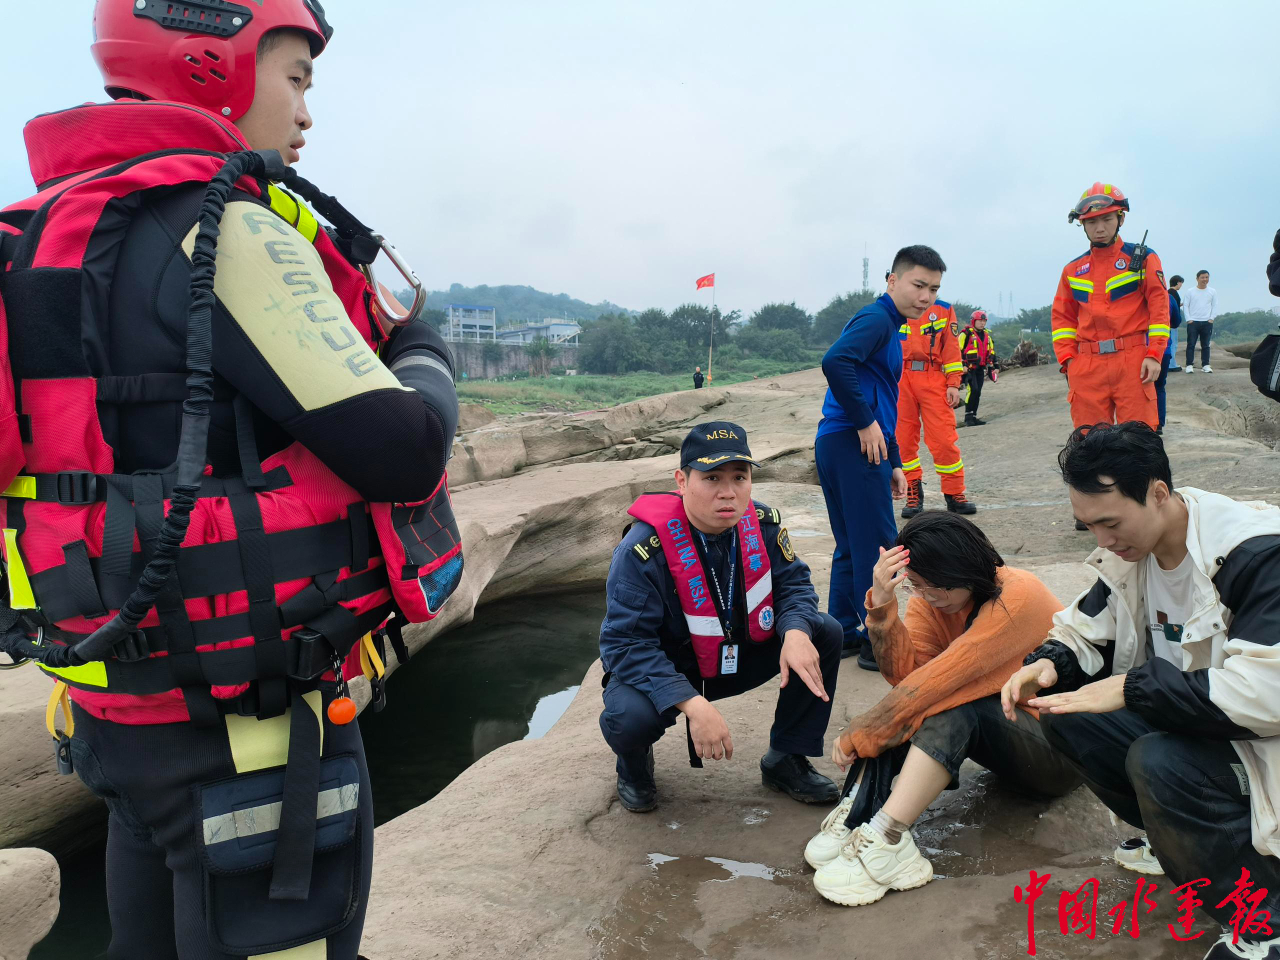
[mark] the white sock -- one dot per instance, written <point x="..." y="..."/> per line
<point x="889" y="829"/>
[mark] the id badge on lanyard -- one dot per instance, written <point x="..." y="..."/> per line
<point x="728" y="649"/>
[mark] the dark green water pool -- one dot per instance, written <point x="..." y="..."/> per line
<point x="507" y="675"/>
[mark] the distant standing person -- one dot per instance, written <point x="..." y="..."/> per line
<point x="1201" y="305"/>
<point x="1175" y="286"/>
<point x="697" y="378"/>
<point x="978" y="353"/>
<point x="859" y="466"/>
<point x="1175" y="320"/>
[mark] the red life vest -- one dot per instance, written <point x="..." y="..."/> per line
<point x="716" y="653"/>
<point x="977" y="342"/>
<point x="282" y="568"/>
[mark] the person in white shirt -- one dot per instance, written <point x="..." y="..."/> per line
<point x="1200" y="304"/>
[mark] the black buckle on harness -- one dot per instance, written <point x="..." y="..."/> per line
<point x="312" y="655"/>
<point x="1107" y="346"/>
<point x="132" y="648"/>
<point x="77" y="489"/>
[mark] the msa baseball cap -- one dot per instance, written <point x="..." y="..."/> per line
<point x="714" y="444"/>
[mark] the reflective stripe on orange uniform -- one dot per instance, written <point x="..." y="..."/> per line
<point x="1100" y="299"/>
<point x="932" y="339"/>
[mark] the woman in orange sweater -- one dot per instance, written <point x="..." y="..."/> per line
<point x="969" y="622"/>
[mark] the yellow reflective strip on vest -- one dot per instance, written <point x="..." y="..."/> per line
<point x="949" y="467"/>
<point x="260" y="744"/>
<point x="1066" y="333"/>
<point x="297" y="214"/>
<point x="24" y="487"/>
<point x="86" y="675"/>
<point x="1120" y="279"/>
<point x="20" y="595"/>
<point x="315" y="950"/>
<point x="1075" y="283"/>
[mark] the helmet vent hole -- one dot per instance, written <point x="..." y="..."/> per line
<point x="216" y="75"/>
<point x="212" y="56"/>
<point x="195" y="61"/>
<point x="198" y="79"/>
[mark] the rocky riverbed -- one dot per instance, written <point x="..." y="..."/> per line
<point x="528" y="854"/>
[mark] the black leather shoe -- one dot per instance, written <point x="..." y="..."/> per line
<point x="867" y="657"/>
<point x="974" y="422"/>
<point x="637" y="790"/>
<point x="794" y="775"/>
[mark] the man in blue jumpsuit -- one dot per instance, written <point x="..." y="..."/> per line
<point x="858" y="462"/>
<point x="652" y="670"/>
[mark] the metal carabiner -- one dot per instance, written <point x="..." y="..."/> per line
<point x="381" y="308"/>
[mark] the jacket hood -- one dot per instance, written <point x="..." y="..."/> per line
<point x="96" y="135"/>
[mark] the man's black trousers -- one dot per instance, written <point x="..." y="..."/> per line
<point x="631" y="724"/>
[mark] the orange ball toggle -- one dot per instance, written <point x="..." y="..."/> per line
<point x="342" y="710"/>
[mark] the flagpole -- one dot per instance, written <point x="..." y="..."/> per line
<point x="713" y="331"/>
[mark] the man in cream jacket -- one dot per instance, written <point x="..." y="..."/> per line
<point x="1161" y="683"/>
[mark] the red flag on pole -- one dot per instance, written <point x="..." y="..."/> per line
<point x="708" y="281"/>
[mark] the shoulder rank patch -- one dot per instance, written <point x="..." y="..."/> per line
<point x="955" y="329"/>
<point x="784" y="544"/>
<point x="647" y="549"/>
<point x="767" y="514"/>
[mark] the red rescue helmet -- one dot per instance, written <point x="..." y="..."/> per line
<point x="202" y="52"/>
<point x="977" y="315"/>
<point x="1099" y="200"/>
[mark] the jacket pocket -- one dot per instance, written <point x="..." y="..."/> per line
<point x="422" y="548"/>
<point x="239" y="823"/>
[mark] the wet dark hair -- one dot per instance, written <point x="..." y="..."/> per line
<point x="1130" y="454"/>
<point x="917" y="256"/>
<point x="1175" y="280"/>
<point x="948" y="552"/>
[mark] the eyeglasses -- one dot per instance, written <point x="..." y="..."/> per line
<point x="939" y="594"/>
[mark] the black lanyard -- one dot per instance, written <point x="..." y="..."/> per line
<point x="726" y="610"/>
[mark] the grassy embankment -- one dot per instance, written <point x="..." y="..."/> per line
<point x="593" y="392"/>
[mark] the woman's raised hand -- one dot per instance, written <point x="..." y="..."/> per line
<point x="890" y="570"/>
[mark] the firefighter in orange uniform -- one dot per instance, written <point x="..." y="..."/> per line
<point x="1110" y="318"/>
<point x="929" y="392"/>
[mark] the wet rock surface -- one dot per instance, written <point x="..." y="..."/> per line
<point x="529" y="854"/>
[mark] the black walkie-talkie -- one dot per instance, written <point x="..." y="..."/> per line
<point x="1139" y="258"/>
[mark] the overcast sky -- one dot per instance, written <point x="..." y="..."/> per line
<point x="619" y="151"/>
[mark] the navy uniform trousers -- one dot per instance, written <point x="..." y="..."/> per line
<point x="631" y="724"/>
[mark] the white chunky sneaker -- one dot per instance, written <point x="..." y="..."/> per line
<point x="1136" y="855"/>
<point x="1206" y="369"/>
<point x="868" y="867"/>
<point x="826" y="843"/>
<point x="1224" y="949"/>
<point x="1189" y="368"/>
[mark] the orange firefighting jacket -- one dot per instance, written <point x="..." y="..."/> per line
<point x="1099" y="298"/>
<point x="935" y="339"/>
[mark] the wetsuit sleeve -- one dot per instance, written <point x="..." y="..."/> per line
<point x="794" y="597"/>
<point x="630" y="644"/>
<point x="1237" y="701"/>
<point x="1153" y="289"/>
<point x="859" y="341"/>
<point x="1066" y="312"/>
<point x="283" y="339"/>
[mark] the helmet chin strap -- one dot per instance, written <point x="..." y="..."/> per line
<point x="1100" y="243"/>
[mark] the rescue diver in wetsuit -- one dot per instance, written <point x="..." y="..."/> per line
<point x="305" y="376"/>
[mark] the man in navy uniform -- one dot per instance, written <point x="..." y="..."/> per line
<point x="707" y="599"/>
